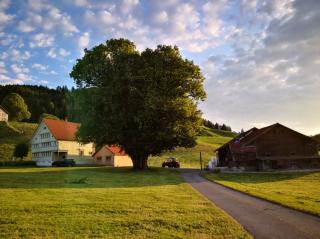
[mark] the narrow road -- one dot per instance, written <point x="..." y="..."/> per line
<point x="260" y="218"/>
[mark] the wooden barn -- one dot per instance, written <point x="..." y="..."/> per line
<point x="272" y="147"/>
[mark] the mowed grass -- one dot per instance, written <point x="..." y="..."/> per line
<point x="298" y="190"/>
<point x="11" y="134"/>
<point x="207" y="142"/>
<point x="101" y="202"/>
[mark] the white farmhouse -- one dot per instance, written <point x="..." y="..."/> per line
<point x="3" y="114"/>
<point x="56" y="140"/>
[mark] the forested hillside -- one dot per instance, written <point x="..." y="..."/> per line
<point x="39" y="99"/>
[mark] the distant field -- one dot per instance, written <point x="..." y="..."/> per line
<point x="12" y="134"/>
<point x="208" y="141"/>
<point x="296" y="190"/>
<point x="99" y="202"/>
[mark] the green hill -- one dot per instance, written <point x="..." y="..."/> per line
<point x="208" y="141"/>
<point x="11" y="134"/>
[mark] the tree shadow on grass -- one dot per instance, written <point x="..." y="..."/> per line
<point x="266" y="177"/>
<point x="86" y="177"/>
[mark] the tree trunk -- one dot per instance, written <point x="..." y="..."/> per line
<point x="140" y="162"/>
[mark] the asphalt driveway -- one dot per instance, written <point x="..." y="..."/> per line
<point x="260" y="218"/>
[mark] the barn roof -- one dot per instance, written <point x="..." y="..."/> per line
<point x="242" y="141"/>
<point x="62" y="130"/>
<point x="114" y="149"/>
<point x="4" y="109"/>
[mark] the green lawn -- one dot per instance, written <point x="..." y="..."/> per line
<point x="100" y="202"/>
<point x="295" y="190"/>
<point x="11" y="134"/>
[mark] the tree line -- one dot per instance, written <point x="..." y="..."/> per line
<point x="211" y="125"/>
<point x="39" y="100"/>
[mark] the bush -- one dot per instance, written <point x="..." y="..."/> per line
<point x="17" y="163"/>
<point x="216" y="170"/>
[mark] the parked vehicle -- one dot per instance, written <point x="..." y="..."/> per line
<point x="171" y="163"/>
<point x="64" y="163"/>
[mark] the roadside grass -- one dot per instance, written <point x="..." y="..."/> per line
<point x="102" y="202"/>
<point x="12" y="133"/>
<point x="298" y="190"/>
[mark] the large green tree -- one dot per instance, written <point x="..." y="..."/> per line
<point x="144" y="102"/>
<point x="18" y="110"/>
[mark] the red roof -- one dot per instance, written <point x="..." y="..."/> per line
<point x="1" y="107"/>
<point x="114" y="149"/>
<point x="62" y="130"/>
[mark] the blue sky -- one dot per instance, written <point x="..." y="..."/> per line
<point x="260" y="57"/>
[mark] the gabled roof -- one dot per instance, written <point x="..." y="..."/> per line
<point x="4" y="109"/>
<point x="114" y="149"/>
<point x="242" y="141"/>
<point x="62" y="130"/>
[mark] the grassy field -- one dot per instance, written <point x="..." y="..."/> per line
<point x="100" y="202"/>
<point x="295" y="190"/>
<point x="11" y="134"/>
<point x="207" y="142"/>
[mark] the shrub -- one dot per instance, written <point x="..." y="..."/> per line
<point x="17" y="163"/>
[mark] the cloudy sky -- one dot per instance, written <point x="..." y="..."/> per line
<point x="261" y="59"/>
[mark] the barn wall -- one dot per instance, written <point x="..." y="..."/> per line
<point x="281" y="141"/>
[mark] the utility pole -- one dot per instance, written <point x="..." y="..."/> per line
<point x="200" y="162"/>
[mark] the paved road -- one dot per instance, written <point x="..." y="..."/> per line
<point x="260" y="218"/>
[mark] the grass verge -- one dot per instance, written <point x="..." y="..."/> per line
<point x="298" y="190"/>
<point x="100" y="202"/>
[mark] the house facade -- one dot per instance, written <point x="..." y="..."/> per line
<point x="272" y="147"/>
<point x="111" y="155"/>
<point x="4" y="114"/>
<point x="56" y="140"/>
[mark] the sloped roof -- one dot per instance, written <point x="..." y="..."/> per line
<point x="4" y="109"/>
<point x="114" y="149"/>
<point x="242" y="142"/>
<point x="62" y="130"/>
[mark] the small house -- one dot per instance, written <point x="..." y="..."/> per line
<point x="4" y="114"/>
<point x="112" y="155"/>
<point x="272" y="147"/>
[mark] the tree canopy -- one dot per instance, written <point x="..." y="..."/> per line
<point x="18" y="110"/>
<point x="144" y="102"/>
<point x="21" y="150"/>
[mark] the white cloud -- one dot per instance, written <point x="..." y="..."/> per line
<point x="83" y="41"/>
<point x="19" y="69"/>
<point x="15" y="55"/>
<point x="31" y="23"/>
<point x="271" y="76"/>
<point x="64" y="52"/>
<point x="5" y="18"/>
<point x="44" y="16"/>
<point x="41" y="40"/>
<point x="161" y="17"/>
<point x="52" y="53"/>
<point x="3" y="69"/>
<point x="81" y="3"/>
<point x="43" y="69"/>
<point x="39" y="66"/>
